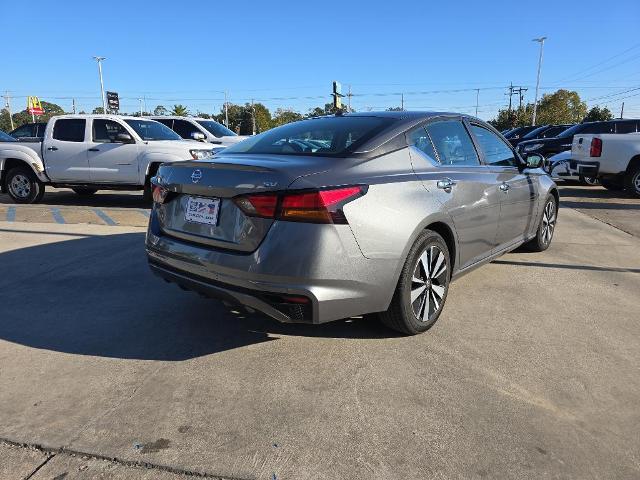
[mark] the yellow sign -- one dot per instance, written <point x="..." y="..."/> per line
<point x="34" y="107"/>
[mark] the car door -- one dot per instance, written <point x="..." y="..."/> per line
<point x="444" y="158"/>
<point x="112" y="160"/>
<point x="65" y="152"/>
<point x="516" y="188"/>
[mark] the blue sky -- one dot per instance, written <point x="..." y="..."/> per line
<point x="188" y="52"/>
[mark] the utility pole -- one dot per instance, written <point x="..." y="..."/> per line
<point x="73" y="105"/>
<point x="510" y="95"/>
<point x="402" y="102"/>
<point x="622" y="111"/>
<point x="226" y="110"/>
<point x="104" y="100"/>
<point x="7" y="99"/>
<point x="253" y="117"/>
<point x="140" y="100"/>
<point x="520" y="91"/>
<point x="477" y="99"/>
<point x="349" y="96"/>
<point x="535" y="103"/>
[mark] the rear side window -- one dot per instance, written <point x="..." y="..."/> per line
<point x="168" y="122"/>
<point x="419" y="138"/>
<point x="106" y="131"/>
<point x="184" y="128"/>
<point x="453" y="143"/>
<point x="69" y="130"/>
<point x="495" y="151"/>
<point x="23" y="132"/>
<point x="625" y="127"/>
<point x="325" y="136"/>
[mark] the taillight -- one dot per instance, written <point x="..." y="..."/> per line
<point x="159" y="194"/>
<point x="596" y="147"/>
<point x="315" y="206"/>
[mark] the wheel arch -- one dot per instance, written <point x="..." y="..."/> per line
<point x="633" y="163"/>
<point x="9" y="163"/>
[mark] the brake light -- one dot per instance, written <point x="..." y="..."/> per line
<point x="159" y="194"/>
<point x="315" y="206"/>
<point x="596" y="147"/>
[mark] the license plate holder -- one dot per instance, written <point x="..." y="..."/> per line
<point x="202" y="210"/>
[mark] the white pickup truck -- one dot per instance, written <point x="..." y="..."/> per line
<point x="613" y="158"/>
<point x="92" y="152"/>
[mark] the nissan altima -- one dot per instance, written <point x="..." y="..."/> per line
<point x="345" y="215"/>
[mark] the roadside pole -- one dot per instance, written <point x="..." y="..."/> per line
<point x="535" y="103"/>
<point x="104" y="100"/>
<point x="226" y="110"/>
<point x="477" y="99"/>
<point x="7" y="99"/>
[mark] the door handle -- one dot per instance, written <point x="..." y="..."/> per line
<point x="52" y="149"/>
<point x="504" y="187"/>
<point x="446" y="184"/>
<point x="94" y="149"/>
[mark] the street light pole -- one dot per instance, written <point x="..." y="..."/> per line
<point x="104" y="101"/>
<point x="226" y="110"/>
<point x="535" y="103"/>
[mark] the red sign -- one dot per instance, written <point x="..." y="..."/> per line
<point x="33" y="106"/>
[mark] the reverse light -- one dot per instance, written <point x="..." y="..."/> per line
<point x="313" y="206"/>
<point x="596" y="147"/>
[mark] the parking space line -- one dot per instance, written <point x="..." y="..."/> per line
<point x="57" y="216"/>
<point x="146" y="213"/>
<point x="11" y="214"/>
<point x="107" y="219"/>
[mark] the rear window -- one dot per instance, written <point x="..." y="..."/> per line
<point x="325" y="136"/>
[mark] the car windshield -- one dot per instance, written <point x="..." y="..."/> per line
<point x="5" y="137"/>
<point x="554" y="131"/>
<point x="150" y="130"/>
<point x="215" y="129"/>
<point x="324" y="136"/>
<point x="571" y="131"/>
<point x="535" y="133"/>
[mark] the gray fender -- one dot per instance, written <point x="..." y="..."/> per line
<point x="29" y="158"/>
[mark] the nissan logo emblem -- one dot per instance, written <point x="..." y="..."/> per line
<point x="196" y="176"/>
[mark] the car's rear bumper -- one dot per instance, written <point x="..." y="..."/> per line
<point x="585" y="168"/>
<point x="321" y="264"/>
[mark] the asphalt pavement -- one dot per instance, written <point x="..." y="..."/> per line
<point x="532" y="370"/>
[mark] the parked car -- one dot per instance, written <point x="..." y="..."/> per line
<point x="201" y="129"/>
<point x="614" y="159"/>
<point x="544" y="131"/>
<point x="562" y="142"/>
<point x="29" y="131"/>
<point x="519" y="132"/>
<point x="91" y="152"/>
<point x="396" y="206"/>
<point x="562" y="167"/>
<point x="5" y="137"/>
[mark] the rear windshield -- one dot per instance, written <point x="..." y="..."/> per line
<point x="215" y="129"/>
<point x="150" y="130"/>
<point x="325" y="136"/>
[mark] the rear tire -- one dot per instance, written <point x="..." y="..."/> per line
<point x="613" y="185"/>
<point x="85" y="192"/>
<point x="23" y="186"/>
<point x="422" y="288"/>
<point x="632" y="180"/>
<point x="547" y="227"/>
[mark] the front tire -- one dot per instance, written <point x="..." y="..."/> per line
<point x="23" y="186"/>
<point x="547" y="227"/>
<point x="632" y="181"/>
<point x="422" y="288"/>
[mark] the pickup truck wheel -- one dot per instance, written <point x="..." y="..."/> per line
<point x="422" y="288"/>
<point x="83" y="192"/>
<point x="612" y="184"/>
<point x="632" y="181"/>
<point x="547" y="227"/>
<point x="23" y="186"/>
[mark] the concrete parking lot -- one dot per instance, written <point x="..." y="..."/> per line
<point x="532" y="371"/>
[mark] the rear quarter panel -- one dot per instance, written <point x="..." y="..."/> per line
<point x="617" y="150"/>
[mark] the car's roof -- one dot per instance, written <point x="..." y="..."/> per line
<point x="178" y="117"/>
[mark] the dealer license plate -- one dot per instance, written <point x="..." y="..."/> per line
<point x="202" y="210"/>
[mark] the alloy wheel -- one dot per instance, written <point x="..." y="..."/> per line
<point x="635" y="182"/>
<point x="20" y="186"/>
<point x="429" y="283"/>
<point x="548" y="221"/>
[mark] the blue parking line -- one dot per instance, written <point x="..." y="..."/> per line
<point x="146" y="213"/>
<point x="11" y="214"/>
<point x="107" y="219"/>
<point x="57" y="216"/>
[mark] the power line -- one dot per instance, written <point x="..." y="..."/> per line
<point x="577" y="74"/>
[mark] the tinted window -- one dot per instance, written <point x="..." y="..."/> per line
<point x="184" y="128"/>
<point x="536" y="133"/>
<point x="553" y="131"/>
<point x="168" y="122"/>
<point x="420" y="139"/>
<point x="452" y="142"/>
<point x="495" y="151"/>
<point x="5" y="137"/>
<point x="106" y="131"/>
<point x="325" y="136"/>
<point x="625" y="127"/>
<point x="606" y="127"/>
<point x="216" y="129"/>
<point x="23" y="131"/>
<point x="69" y="130"/>
<point x="40" y="129"/>
<point x="150" y="130"/>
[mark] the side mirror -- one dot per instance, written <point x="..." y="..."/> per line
<point x="124" y="138"/>
<point x="198" y="136"/>
<point x="534" y="160"/>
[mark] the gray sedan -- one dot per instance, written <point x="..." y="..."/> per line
<point x="351" y="214"/>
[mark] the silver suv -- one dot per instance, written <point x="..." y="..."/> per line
<point x="202" y="129"/>
<point x="338" y="216"/>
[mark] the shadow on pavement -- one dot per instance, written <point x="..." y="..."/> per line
<point x="567" y="266"/>
<point x="96" y="296"/>
<point x="100" y="199"/>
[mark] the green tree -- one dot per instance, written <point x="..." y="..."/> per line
<point x="98" y="111"/>
<point x="5" y="122"/>
<point x="283" y="116"/>
<point x="241" y="118"/>
<point x="160" y="110"/>
<point x="180" y="110"/>
<point x="50" y="109"/>
<point x="328" y="109"/>
<point x="562" y="106"/>
<point x="598" y="114"/>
